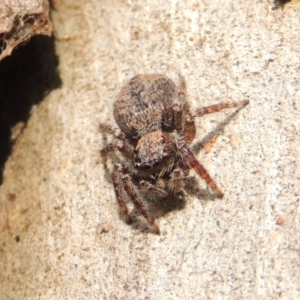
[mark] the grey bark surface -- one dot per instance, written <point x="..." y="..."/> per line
<point x="62" y="236"/>
<point x="20" y="20"/>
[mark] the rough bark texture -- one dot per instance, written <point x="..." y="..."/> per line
<point x="61" y="234"/>
<point x="20" y="20"/>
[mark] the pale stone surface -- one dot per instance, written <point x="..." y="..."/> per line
<point x="73" y="242"/>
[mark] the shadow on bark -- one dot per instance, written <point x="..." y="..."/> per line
<point x="26" y="77"/>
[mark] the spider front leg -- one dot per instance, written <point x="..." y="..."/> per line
<point x="117" y="174"/>
<point x="176" y="182"/>
<point x="192" y="162"/>
<point x="138" y="203"/>
<point x="122" y="182"/>
<point x="153" y="190"/>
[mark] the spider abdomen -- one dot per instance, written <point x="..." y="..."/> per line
<point x="145" y="104"/>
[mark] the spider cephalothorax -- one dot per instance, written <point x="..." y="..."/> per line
<point x="155" y="150"/>
<point x="156" y="126"/>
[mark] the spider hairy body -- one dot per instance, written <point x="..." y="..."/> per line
<point x="155" y="128"/>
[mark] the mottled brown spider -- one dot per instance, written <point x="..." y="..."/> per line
<point x="155" y="128"/>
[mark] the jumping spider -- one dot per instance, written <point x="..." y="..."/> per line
<point x="156" y="127"/>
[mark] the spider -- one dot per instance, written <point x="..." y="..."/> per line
<point x="155" y="128"/>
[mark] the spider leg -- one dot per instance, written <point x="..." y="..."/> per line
<point x="116" y="132"/>
<point x="176" y="181"/>
<point x="195" y="164"/>
<point x="130" y="190"/>
<point x="180" y="107"/>
<point x="148" y="187"/>
<point x="119" y="190"/>
<point x="218" y="107"/>
<point x="115" y="145"/>
<point x="203" y="173"/>
<point x="119" y="143"/>
<point x="190" y="128"/>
